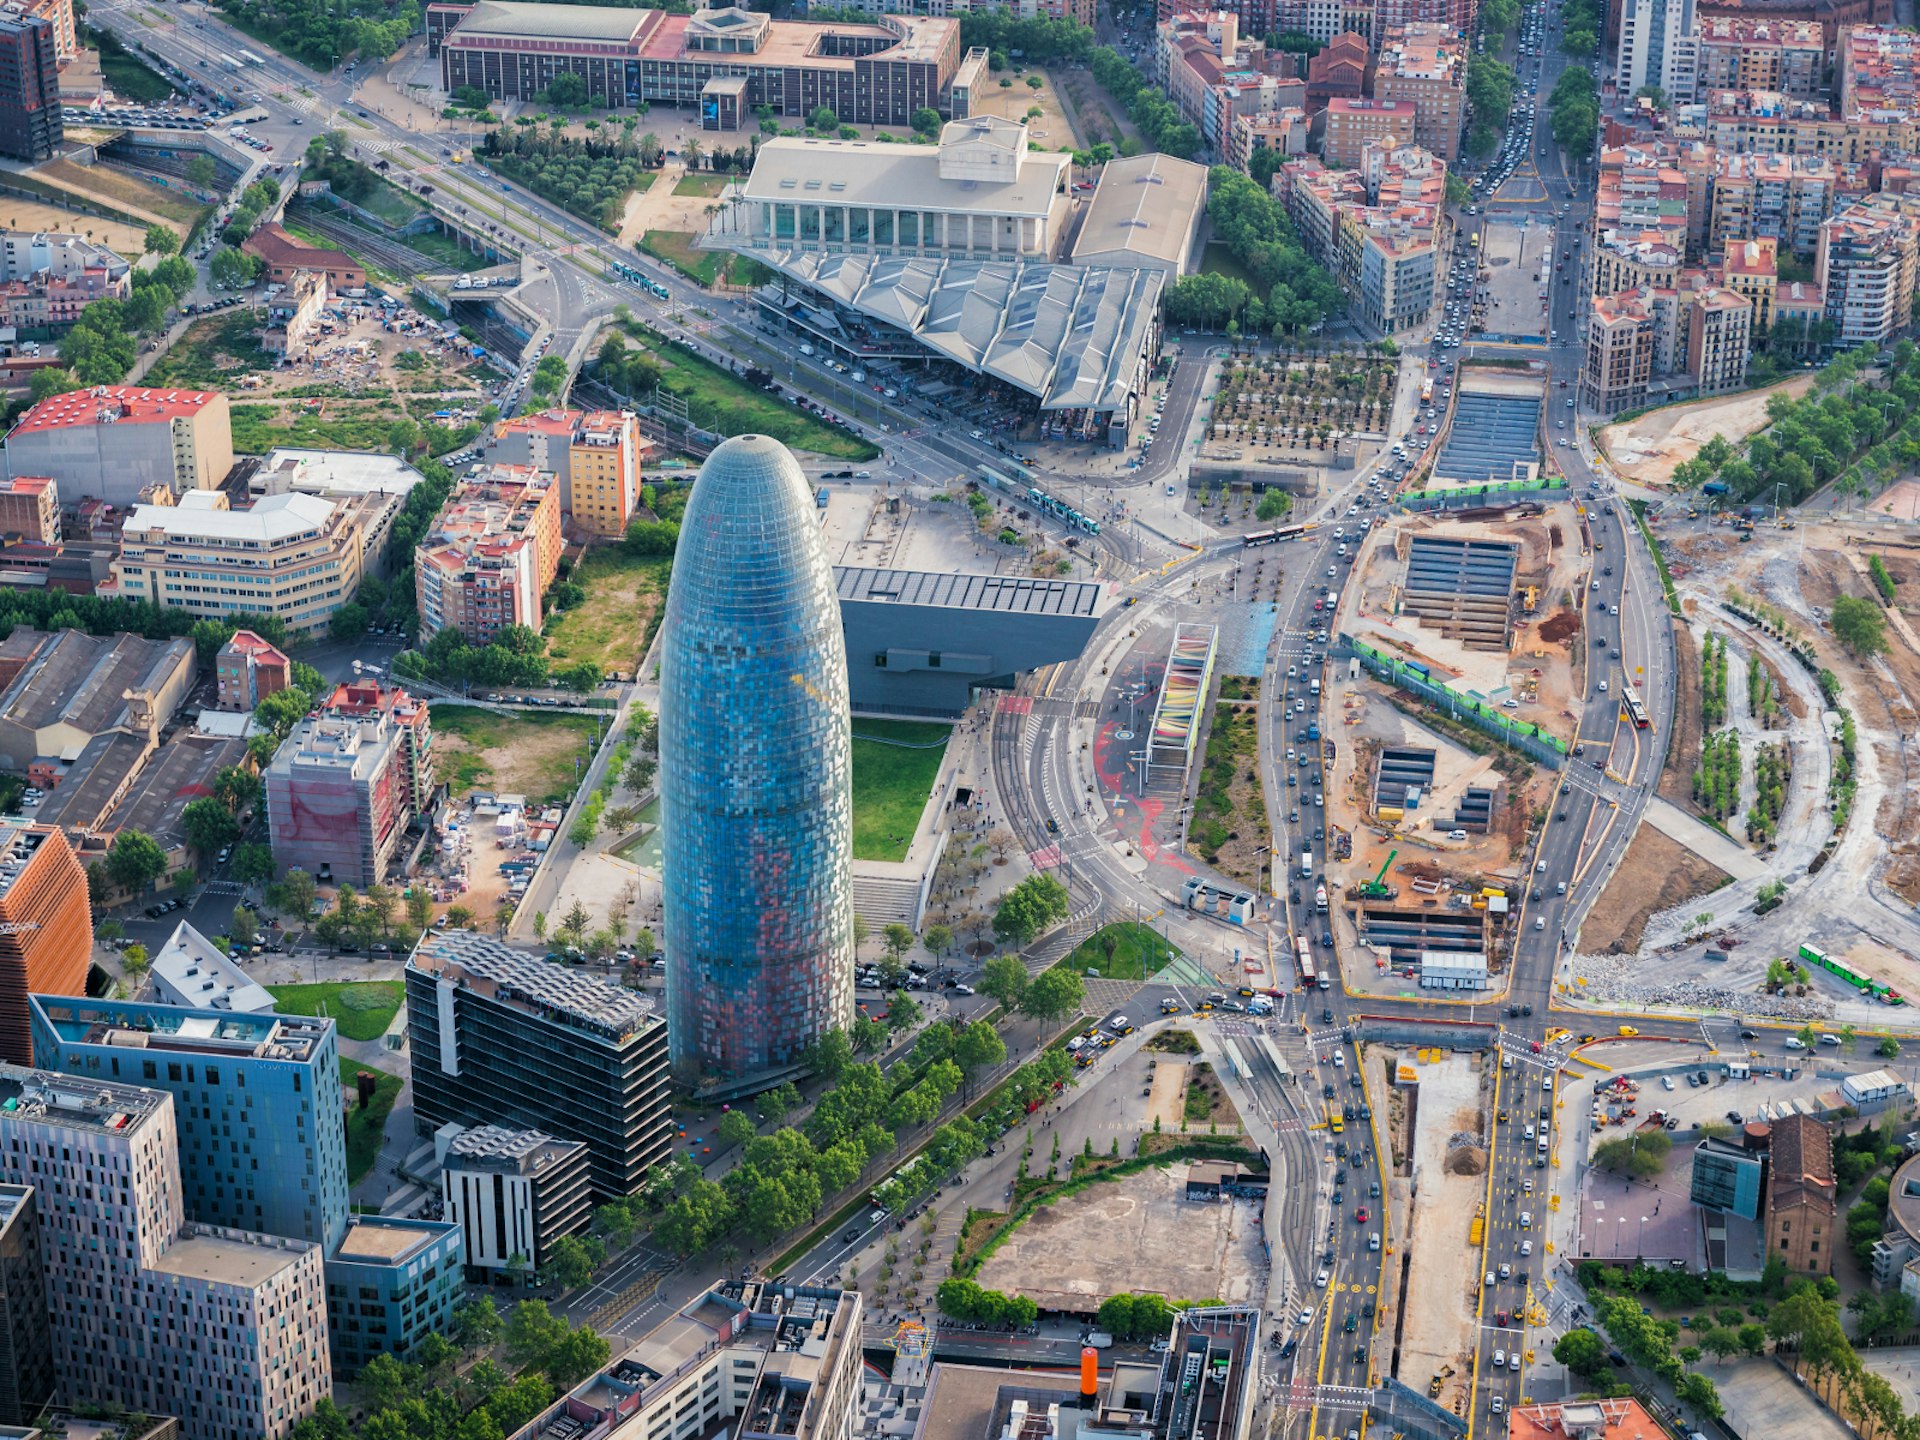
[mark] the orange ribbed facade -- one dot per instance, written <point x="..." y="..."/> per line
<point x="46" y="928"/>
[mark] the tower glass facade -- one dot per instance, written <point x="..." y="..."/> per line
<point x="755" y="772"/>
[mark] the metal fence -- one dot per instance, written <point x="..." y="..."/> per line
<point x="1468" y="497"/>
<point x="1522" y="735"/>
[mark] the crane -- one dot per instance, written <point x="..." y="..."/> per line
<point x="1377" y="888"/>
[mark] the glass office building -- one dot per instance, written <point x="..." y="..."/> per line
<point x="755" y="773"/>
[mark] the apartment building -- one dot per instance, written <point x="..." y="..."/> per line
<point x="608" y="446"/>
<point x="1876" y="73"/>
<point x="491" y="554"/>
<point x="1353" y="125"/>
<point x="246" y="670"/>
<point x="114" y="442"/>
<point x="391" y="1282"/>
<point x="1313" y="197"/>
<point x="1284" y="133"/>
<point x="1619" y="261"/>
<point x="1761" y="52"/>
<point x="1865" y="269"/>
<point x="31" y="125"/>
<point x="1459" y="16"/>
<point x="500" y="1037"/>
<point x="1426" y="64"/>
<point x="513" y="1193"/>
<point x="1375" y="228"/>
<point x="1719" y="339"/>
<point x="604" y="470"/>
<point x="26" y="1338"/>
<point x="297" y="557"/>
<point x="1661" y="343"/>
<point x="46" y="929"/>
<point x="257" y="1103"/>
<point x="1768" y="122"/>
<point x="222" y="1328"/>
<point x="1619" y="364"/>
<point x="30" y="510"/>
<point x="749" y="1357"/>
<point x="344" y="789"/>
<point x="1658" y="46"/>
<point x="1752" y="269"/>
<point x="364" y="698"/>
<point x="1783" y="199"/>
<point x="46" y="305"/>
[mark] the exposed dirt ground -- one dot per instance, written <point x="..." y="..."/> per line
<point x="1437" y="1323"/>
<point x="1169" y="1094"/>
<point x="1064" y="1256"/>
<point x="1656" y="874"/>
<point x="1648" y="448"/>
<point x="1683" y="750"/>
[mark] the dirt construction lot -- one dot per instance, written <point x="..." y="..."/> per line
<point x="1657" y="874"/>
<point x="1064" y="1255"/>
<point x="1647" y="449"/>
<point x="1450" y="1185"/>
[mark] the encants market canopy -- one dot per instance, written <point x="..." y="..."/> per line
<point x="1176" y="718"/>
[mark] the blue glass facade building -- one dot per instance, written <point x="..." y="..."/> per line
<point x="256" y="1102"/>
<point x="755" y="772"/>
<point x="391" y="1281"/>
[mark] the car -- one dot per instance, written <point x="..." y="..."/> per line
<point x="1749" y="1034"/>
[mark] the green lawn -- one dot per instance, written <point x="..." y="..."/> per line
<point x="891" y="782"/>
<point x="1138" y="951"/>
<point x="708" y="184"/>
<point x="626" y="598"/>
<point x="676" y="248"/>
<point x="361" y="1008"/>
<point x="720" y="401"/>
<point x="367" y="1128"/>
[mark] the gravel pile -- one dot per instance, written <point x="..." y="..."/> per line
<point x="1624" y="977"/>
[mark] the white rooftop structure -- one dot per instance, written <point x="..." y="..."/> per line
<point x="1146" y="211"/>
<point x="1874" y="1085"/>
<point x="979" y="193"/>
<point x="334" y="472"/>
<point x="1453" y="970"/>
<point x="275" y="519"/>
<point x="190" y="972"/>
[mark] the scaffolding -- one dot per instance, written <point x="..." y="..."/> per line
<point x="1176" y="717"/>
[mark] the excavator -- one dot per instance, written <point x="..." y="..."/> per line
<point x="1377" y="888"/>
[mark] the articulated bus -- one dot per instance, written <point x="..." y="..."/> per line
<point x="1274" y="537"/>
<point x="1636" y="711"/>
<point x="1305" y="955"/>
<point x="1839" y="969"/>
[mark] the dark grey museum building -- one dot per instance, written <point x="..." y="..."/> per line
<point x="920" y="643"/>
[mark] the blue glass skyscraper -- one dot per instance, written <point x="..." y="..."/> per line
<point x="755" y="772"/>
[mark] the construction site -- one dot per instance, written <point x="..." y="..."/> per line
<point x="1812" y="784"/>
<point x="1428" y="817"/>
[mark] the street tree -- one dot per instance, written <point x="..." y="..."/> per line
<point x="135" y="861"/>
<point x="1004" y="977"/>
<point x="1054" y="994"/>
